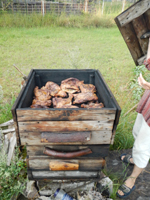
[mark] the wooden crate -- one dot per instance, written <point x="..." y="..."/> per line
<point x="133" y="23"/>
<point x="40" y="128"/>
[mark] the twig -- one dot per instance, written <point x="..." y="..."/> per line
<point x="24" y="76"/>
<point x="131" y="109"/>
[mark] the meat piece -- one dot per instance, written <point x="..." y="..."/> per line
<point x="59" y="102"/>
<point x="84" y="97"/>
<point x="87" y="88"/>
<point x="61" y="93"/>
<point x="55" y="90"/>
<point x="92" y="105"/>
<point x="38" y="106"/>
<point x="68" y="106"/>
<point x="36" y="102"/>
<point x="41" y="94"/>
<point x="71" y="85"/>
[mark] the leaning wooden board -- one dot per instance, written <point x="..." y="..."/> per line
<point x="66" y="130"/>
<point x="133" y="23"/>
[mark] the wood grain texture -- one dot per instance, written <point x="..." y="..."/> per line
<point x="140" y="28"/>
<point x="63" y="175"/>
<point x="65" y="126"/>
<point x="131" y="40"/>
<point x="42" y="163"/>
<point x="52" y="137"/>
<point x="147" y="18"/>
<point x="34" y="138"/>
<point x="133" y="12"/>
<point x="58" y="165"/>
<point x="65" y="115"/>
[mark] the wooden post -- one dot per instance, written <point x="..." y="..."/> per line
<point x="2" y="5"/>
<point x="103" y="7"/>
<point x="86" y="6"/>
<point x="123" y="5"/>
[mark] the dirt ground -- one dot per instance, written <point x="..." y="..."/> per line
<point x="115" y="165"/>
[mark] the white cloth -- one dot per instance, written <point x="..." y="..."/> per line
<point x="141" y="147"/>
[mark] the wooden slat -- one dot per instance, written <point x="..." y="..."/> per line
<point x="133" y="12"/>
<point x="131" y="40"/>
<point x="140" y="28"/>
<point x="65" y="126"/>
<point x="42" y="163"/>
<point x="34" y="138"/>
<point x="8" y="123"/>
<point x="63" y="174"/>
<point x="69" y="115"/>
<point x="97" y="150"/>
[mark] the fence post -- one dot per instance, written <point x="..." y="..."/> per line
<point x="103" y="7"/>
<point x="2" y="5"/>
<point x="42" y="7"/>
<point x="123" y="5"/>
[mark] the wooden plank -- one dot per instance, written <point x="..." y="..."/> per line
<point x="52" y="137"/>
<point x="8" y="130"/>
<point x="63" y="174"/>
<point x="131" y="40"/>
<point x="133" y="12"/>
<point x="65" y="126"/>
<point x="8" y="123"/>
<point x="97" y="150"/>
<point x="140" y="28"/>
<point x="34" y="138"/>
<point x="42" y="163"/>
<point x="69" y="114"/>
<point x="11" y="148"/>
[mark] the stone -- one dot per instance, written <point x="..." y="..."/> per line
<point x="43" y="198"/>
<point x="31" y="190"/>
<point x="105" y="186"/>
<point x="143" y="198"/>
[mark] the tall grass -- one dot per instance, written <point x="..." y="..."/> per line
<point x="50" y="20"/>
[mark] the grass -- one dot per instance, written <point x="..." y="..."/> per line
<point x="64" y="48"/>
<point x="68" y="47"/>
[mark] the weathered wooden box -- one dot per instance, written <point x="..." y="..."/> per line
<point x="133" y="23"/>
<point x="99" y="124"/>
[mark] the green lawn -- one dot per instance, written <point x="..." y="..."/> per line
<point x="63" y="48"/>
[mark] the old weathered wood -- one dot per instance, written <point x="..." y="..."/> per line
<point x="63" y="165"/>
<point x="97" y="150"/>
<point x="8" y="123"/>
<point x="63" y="175"/>
<point x="52" y="137"/>
<point x="8" y="130"/>
<point x="133" y="12"/>
<point x="65" y="126"/>
<point x="97" y="137"/>
<point x="61" y="154"/>
<point x="11" y="148"/>
<point x="140" y="28"/>
<point x="131" y="40"/>
<point x="69" y="115"/>
<point x="42" y="163"/>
